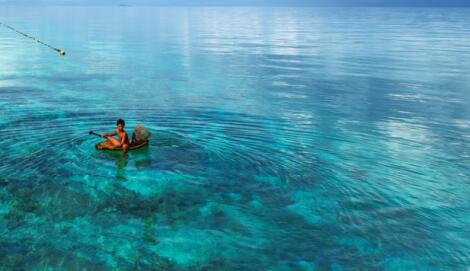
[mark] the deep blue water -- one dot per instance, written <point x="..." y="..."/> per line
<point x="283" y="139"/>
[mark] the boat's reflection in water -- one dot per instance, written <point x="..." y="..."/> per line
<point x="121" y="164"/>
<point x="141" y="157"/>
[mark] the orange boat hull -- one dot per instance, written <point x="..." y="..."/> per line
<point x="106" y="145"/>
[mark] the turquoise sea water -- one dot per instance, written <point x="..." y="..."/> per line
<point x="283" y="139"/>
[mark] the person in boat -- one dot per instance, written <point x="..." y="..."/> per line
<point x="122" y="135"/>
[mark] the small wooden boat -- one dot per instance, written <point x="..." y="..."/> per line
<point x="106" y="145"/>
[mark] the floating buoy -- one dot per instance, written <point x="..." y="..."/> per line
<point x="60" y="51"/>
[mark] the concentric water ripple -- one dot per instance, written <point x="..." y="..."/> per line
<point x="283" y="139"/>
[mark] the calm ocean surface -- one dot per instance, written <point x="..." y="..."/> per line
<point x="283" y="139"/>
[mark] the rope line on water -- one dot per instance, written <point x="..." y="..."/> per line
<point x="61" y="52"/>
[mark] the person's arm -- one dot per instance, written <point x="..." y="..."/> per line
<point x="124" y="139"/>
<point x="109" y="134"/>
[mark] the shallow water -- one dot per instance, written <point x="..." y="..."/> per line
<point x="283" y="139"/>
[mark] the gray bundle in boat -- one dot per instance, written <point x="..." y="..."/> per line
<point x="140" y="133"/>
